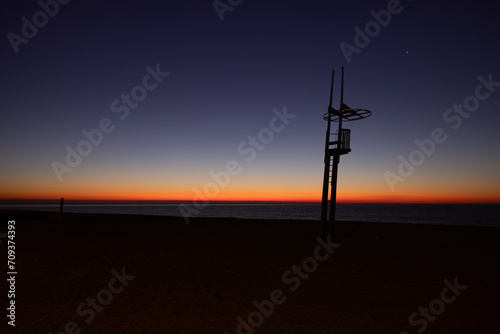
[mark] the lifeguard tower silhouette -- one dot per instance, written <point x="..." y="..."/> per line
<point x="336" y="144"/>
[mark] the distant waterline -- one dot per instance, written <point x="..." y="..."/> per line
<point x="440" y="214"/>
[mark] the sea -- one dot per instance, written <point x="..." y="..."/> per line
<point x="439" y="214"/>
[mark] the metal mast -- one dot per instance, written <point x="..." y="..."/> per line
<point x="333" y="150"/>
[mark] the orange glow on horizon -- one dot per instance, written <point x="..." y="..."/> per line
<point x="249" y="196"/>
<point x="304" y="190"/>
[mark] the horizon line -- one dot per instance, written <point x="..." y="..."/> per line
<point x="67" y="201"/>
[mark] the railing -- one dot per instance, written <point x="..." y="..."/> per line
<point x="345" y="139"/>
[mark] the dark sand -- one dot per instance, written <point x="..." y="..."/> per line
<point x="200" y="278"/>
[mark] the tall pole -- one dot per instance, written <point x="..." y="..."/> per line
<point x="61" y="208"/>
<point x="326" y="175"/>
<point x="336" y="159"/>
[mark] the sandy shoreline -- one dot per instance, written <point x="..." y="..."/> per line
<point x="154" y="274"/>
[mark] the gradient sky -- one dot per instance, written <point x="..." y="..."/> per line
<point x="226" y="78"/>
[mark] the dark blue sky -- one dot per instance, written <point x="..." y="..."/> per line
<point x="226" y="77"/>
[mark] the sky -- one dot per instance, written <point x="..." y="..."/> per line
<point x="223" y="100"/>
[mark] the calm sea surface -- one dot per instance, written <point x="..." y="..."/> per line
<point x="442" y="214"/>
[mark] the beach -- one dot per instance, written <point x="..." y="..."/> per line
<point x="108" y="273"/>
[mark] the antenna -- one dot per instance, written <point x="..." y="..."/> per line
<point x="340" y="145"/>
